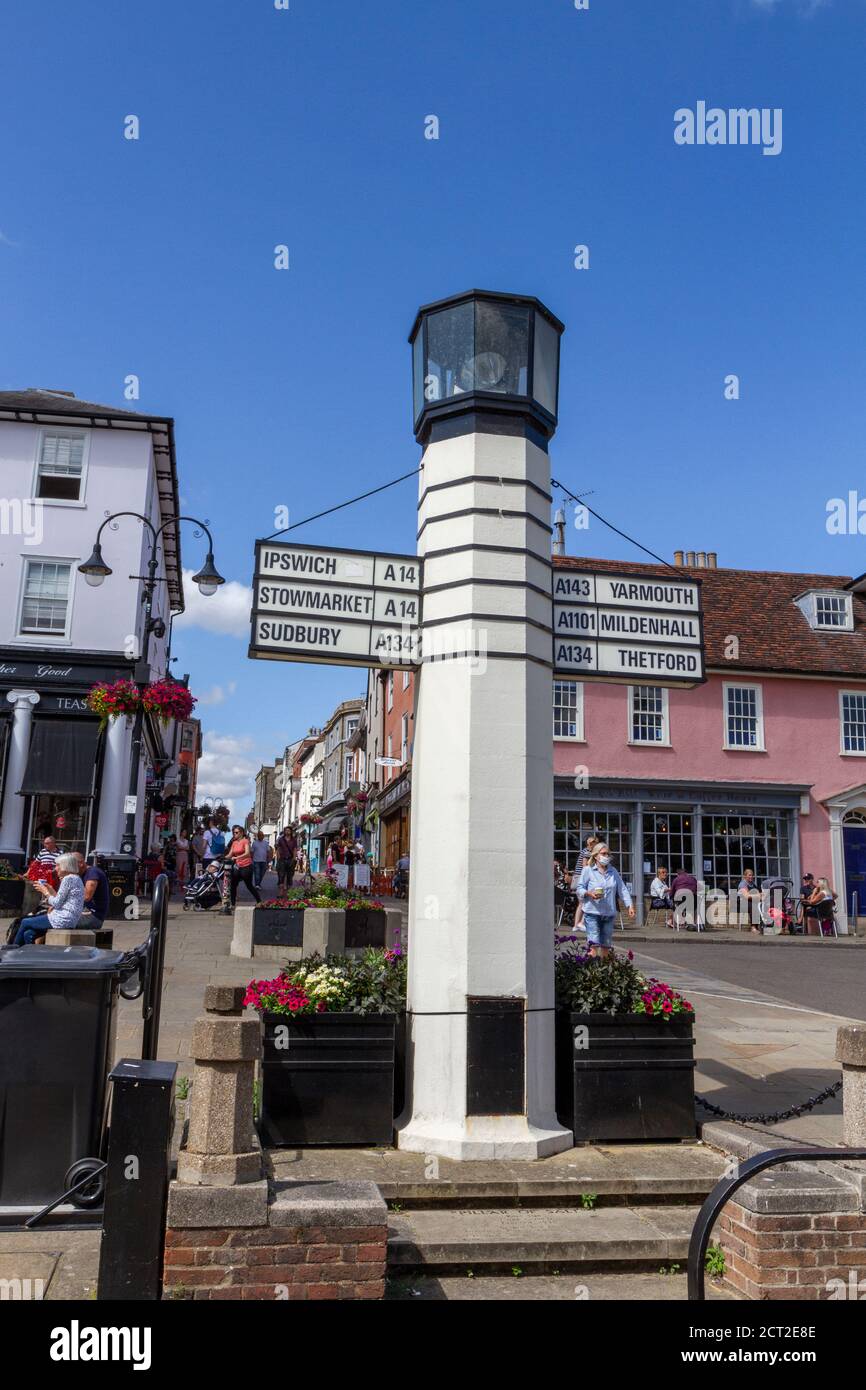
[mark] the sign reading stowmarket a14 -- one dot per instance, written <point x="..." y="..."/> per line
<point x="341" y="607"/>
<point x="641" y="628"/>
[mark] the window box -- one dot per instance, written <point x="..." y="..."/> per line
<point x="634" y="1080"/>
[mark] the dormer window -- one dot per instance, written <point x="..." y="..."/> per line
<point x="827" y="610"/>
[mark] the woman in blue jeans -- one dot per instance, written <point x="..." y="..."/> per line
<point x="65" y="906"/>
<point x="598" y="888"/>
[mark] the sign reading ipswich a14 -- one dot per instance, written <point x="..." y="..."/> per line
<point x="646" y="629"/>
<point x="339" y="607"/>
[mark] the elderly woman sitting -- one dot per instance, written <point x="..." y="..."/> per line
<point x="64" y="907"/>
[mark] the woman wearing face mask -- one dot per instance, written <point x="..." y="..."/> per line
<point x="598" y="888"/>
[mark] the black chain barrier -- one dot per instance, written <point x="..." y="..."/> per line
<point x="776" y="1116"/>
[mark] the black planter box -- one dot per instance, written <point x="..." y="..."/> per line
<point x="365" y="926"/>
<point x="634" y="1079"/>
<point x="278" y="926"/>
<point x="11" y="896"/>
<point x="332" y="1084"/>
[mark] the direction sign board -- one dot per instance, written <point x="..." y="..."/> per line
<point x="640" y="628"/>
<point x="341" y="607"/>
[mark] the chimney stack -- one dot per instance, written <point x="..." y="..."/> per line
<point x="690" y="558"/>
<point x="701" y="559"/>
<point x="678" y="557"/>
<point x="559" y="532"/>
<point x="712" y="560"/>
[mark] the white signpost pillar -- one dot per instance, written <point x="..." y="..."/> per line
<point x="481" y="1020"/>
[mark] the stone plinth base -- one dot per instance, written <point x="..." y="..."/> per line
<point x="484" y="1136"/>
<point x="313" y="1241"/>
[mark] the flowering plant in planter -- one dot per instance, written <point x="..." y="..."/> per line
<point x="612" y="985"/>
<point x="374" y="983"/>
<point x="364" y="905"/>
<point x="112" y="701"/>
<point x="285" y="904"/>
<point x="168" y="700"/>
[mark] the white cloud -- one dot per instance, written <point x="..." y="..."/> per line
<point x="805" y="7"/>
<point x="227" y="611"/>
<point x="227" y="772"/>
<point x="218" y="694"/>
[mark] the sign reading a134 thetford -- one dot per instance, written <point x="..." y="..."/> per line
<point x="343" y="607"/>
<point x="638" y="627"/>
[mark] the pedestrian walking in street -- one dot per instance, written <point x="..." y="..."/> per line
<point x="181" y="860"/>
<point x="262" y="856"/>
<point x="214" y="842"/>
<point x="599" y="887"/>
<point x="240" y="857"/>
<point x="197" y="846"/>
<point x="286" y="849"/>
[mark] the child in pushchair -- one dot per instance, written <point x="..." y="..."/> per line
<point x="776" y="908"/>
<point x="206" y="889"/>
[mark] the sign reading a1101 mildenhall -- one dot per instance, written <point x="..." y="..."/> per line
<point x="641" y="628"/>
<point x="340" y="607"/>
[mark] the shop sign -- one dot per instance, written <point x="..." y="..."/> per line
<point x="644" y="629"/>
<point x="340" y="607"/>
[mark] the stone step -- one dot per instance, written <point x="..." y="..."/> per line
<point x="646" y="1173"/>
<point x="538" y="1236"/>
<point x="652" y="1287"/>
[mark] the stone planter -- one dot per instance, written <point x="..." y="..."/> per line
<point x="278" y="926"/>
<point x="327" y="1079"/>
<point x="11" y="897"/>
<point x="365" y="927"/>
<point x="627" y="1077"/>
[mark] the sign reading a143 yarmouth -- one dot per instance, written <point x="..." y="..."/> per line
<point x="639" y="627"/>
<point x="342" y="607"/>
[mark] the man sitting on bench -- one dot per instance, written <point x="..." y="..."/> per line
<point x="96" y="896"/>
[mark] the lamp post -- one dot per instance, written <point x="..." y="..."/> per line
<point x="480" y="1011"/>
<point x="95" y="571"/>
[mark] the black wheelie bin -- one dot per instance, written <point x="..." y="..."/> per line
<point x="57" y="1029"/>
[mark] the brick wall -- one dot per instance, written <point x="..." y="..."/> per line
<point x="793" y="1256"/>
<point x="276" y="1262"/>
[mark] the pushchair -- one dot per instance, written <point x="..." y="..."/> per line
<point x="776" y="908"/>
<point x="205" y="890"/>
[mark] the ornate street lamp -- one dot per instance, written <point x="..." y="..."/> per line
<point x="95" y="571"/>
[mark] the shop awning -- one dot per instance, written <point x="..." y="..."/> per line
<point x="328" y="827"/>
<point x="62" y="757"/>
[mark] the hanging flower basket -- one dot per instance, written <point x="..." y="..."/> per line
<point x="113" y="701"/>
<point x="361" y="798"/>
<point x="310" y="818"/>
<point x="168" y="700"/>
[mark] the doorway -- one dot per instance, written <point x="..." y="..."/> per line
<point x="854" y="844"/>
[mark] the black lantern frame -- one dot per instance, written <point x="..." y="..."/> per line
<point x="522" y="389"/>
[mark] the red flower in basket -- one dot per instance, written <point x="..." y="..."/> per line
<point x="168" y="700"/>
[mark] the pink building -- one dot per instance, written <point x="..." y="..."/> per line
<point x="763" y="766"/>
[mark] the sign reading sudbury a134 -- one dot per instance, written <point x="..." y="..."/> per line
<point x="642" y="628"/>
<point x="342" y="607"/>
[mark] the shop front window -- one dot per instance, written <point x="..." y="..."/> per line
<point x="667" y="844"/>
<point x="732" y="844"/>
<point x="67" y="818"/>
<point x="571" y="829"/>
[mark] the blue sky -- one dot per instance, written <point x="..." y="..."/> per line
<point x="261" y="126"/>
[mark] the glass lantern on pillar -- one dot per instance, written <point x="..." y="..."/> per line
<point x="485" y="352"/>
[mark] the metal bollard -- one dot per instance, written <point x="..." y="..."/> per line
<point x="136" y="1190"/>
